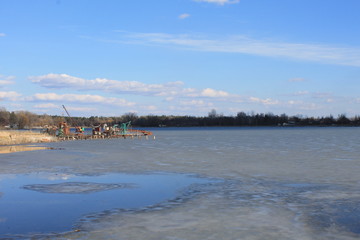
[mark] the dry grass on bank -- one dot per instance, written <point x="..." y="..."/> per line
<point x="23" y="137"/>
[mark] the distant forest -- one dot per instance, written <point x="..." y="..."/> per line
<point x="25" y="120"/>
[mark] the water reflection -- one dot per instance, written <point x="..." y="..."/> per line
<point x="34" y="204"/>
<point x="23" y="148"/>
<point x="75" y="187"/>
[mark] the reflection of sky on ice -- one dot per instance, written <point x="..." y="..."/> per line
<point x="275" y="183"/>
<point x="31" y="201"/>
<point x="239" y="210"/>
<point x="55" y="176"/>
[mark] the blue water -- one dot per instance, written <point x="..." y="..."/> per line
<point x="272" y="183"/>
<point x="26" y="210"/>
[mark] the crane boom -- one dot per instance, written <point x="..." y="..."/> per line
<point x="66" y="110"/>
<point x="67" y="113"/>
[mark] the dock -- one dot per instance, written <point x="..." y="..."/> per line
<point x="134" y="134"/>
<point x="102" y="131"/>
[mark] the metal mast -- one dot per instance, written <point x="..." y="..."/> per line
<point x="66" y="111"/>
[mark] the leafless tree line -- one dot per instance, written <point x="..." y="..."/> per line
<point x="26" y="119"/>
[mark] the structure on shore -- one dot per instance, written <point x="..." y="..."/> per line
<point x="121" y="130"/>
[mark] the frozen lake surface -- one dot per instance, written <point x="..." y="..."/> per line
<point x="252" y="183"/>
<point x="47" y="203"/>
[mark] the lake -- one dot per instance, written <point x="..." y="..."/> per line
<point x="188" y="183"/>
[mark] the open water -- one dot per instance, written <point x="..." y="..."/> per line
<point x="189" y="183"/>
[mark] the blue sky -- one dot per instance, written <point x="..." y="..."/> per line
<point x="180" y="57"/>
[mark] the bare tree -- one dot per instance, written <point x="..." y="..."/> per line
<point x="213" y="114"/>
<point x="23" y="120"/>
<point x="4" y="117"/>
<point x="131" y="116"/>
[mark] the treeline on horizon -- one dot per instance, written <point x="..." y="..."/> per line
<point x="25" y="120"/>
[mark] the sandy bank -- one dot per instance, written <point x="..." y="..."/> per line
<point x="23" y="137"/>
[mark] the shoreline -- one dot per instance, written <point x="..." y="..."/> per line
<point x="14" y="137"/>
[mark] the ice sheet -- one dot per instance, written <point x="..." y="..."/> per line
<point x="276" y="183"/>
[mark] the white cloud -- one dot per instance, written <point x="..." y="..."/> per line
<point x="220" y="2"/>
<point x="47" y="106"/>
<point x="267" y="101"/>
<point x="130" y="87"/>
<point x="208" y="92"/>
<point x="187" y="99"/>
<point x="184" y="15"/>
<point x="6" y="80"/>
<point x="86" y="98"/>
<point x="168" y="90"/>
<point x="2" y="34"/>
<point x="82" y="109"/>
<point x="12" y="96"/>
<point x="321" y="53"/>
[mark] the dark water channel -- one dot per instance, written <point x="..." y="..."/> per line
<point x="47" y="203"/>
